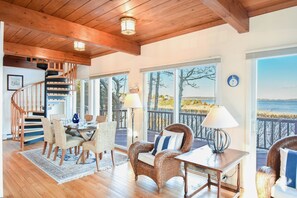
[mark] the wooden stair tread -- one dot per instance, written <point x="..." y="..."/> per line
<point x="33" y="137"/>
<point x="32" y="124"/>
<point x="60" y="90"/>
<point x="33" y="117"/>
<point x="53" y="77"/>
<point x="58" y="83"/>
<point x="33" y="130"/>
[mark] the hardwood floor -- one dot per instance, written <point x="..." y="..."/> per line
<point x="24" y="179"/>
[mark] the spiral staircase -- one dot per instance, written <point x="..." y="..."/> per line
<point x="30" y="103"/>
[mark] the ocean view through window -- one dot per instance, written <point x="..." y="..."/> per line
<point x="276" y="102"/>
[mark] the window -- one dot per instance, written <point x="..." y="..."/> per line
<point x="111" y="103"/>
<point x="160" y="102"/>
<point x="77" y="85"/>
<point x="196" y="97"/>
<point x="103" y="96"/>
<point x="183" y="95"/>
<point x="276" y="102"/>
<point x="119" y="114"/>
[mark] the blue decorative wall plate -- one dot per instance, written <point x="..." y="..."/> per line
<point x="233" y="80"/>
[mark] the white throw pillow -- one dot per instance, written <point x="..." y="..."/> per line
<point x="162" y="143"/>
<point x="288" y="168"/>
<point x="179" y="138"/>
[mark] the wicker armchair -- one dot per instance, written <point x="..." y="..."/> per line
<point x="165" y="166"/>
<point x="267" y="175"/>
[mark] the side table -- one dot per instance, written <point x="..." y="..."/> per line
<point x="204" y="158"/>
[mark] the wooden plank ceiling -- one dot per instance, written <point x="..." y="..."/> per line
<point x="156" y="20"/>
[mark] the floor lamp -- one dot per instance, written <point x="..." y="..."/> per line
<point x="132" y="101"/>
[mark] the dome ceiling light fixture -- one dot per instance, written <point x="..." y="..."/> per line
<point x="79" y="46"/>
<point x="128" y="25"/>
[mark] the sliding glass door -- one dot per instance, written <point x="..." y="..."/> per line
<point x="182" y="95"/>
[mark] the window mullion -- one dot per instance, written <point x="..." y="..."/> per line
<point x="109" y="104"/>
<point x="176" y="101"/>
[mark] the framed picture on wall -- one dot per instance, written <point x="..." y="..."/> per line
<point x="14" y="82"/>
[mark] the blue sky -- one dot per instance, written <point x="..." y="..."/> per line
<point x="277" y="78"/>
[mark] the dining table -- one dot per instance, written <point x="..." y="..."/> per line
<point x="86" y="131"/>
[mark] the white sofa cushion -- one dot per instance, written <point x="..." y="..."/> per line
<point x="179" y="138"/>
<point x="281" y="190"/>
<point x="288" y="168"/>
<point x="147" y="158"/>
<point x="162" y="143"/>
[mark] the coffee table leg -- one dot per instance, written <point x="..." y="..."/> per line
<point x="186" y="180"/>
<point x="208" y="181"/>
<point x="238" y="177"/>
<point x="219" y="184"/>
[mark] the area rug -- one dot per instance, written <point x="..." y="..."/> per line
<point x="69" y="169"/>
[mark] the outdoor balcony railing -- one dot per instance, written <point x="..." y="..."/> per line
<point x="269" y="130"/>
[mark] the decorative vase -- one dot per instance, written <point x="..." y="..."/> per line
<point x="75" y="118"/>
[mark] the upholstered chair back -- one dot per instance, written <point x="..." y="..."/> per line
<point x="273" y="156"/>
<point x="188" y="135"/>
<point x="100" y="119"/>
<point x="49" y="135"/>
<point x="105" y="136"/>
<point x="60" y="135"/>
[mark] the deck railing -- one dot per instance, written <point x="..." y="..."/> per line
<point x="269" y="130"/>
<point x="119" y="115"/>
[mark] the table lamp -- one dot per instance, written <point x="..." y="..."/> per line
<point x="132" y="101"/>
<point x="218" y="118"/>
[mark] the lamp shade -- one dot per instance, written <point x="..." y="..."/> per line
<point x="132" y="100"/>
<point x="219" y="118"/>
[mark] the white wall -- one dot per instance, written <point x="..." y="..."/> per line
<point x="273" y="30"/>
<point x="30" y="76"/>
<point x="1" y="105"/>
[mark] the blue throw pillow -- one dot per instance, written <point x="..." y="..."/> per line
<point x="289" y="166"/>
<point x="162" y="143"/>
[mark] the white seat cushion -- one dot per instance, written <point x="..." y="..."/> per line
<point x="281" y="190"/>
<point x="147" y="158"/>
<point x="179" y="138"/>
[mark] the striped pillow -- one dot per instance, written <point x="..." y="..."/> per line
<point x="289" y="166"/>
<point x="162" y="143"/>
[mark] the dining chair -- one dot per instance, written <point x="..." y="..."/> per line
<point x="63" y="142"/>
<point x="49" y="136"/>
<point x="101" y="118"/>
<point x="104" y="140"/>
<point x="88" y="117"/>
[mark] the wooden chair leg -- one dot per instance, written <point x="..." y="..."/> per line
<point x="112" y="157"/>
<point x="44" y="147"/>
<point x="75" y="150"/>
<point x="100" y="155"/>
<point x="63" y="156"/>
<point x="88" y="154"/>
<point x="56" y="152"/>
<point x="70" y="150"/>
<point x="83" y="156"/>
<point x="97" y="160"/>
<point x="77" y="162"/>
<point x="49" y="150"/>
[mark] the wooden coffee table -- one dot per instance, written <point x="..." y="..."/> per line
<point x="204" y="158"/>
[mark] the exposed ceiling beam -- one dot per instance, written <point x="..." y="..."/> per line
<point x="33" y="20"/>
<point x="37" y="52"/>
<point x="231" y="11"/>
<point x="20" y="62"/>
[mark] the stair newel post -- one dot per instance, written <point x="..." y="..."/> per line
<point x="45" y="96"/>
<point x="22" y="131"/>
